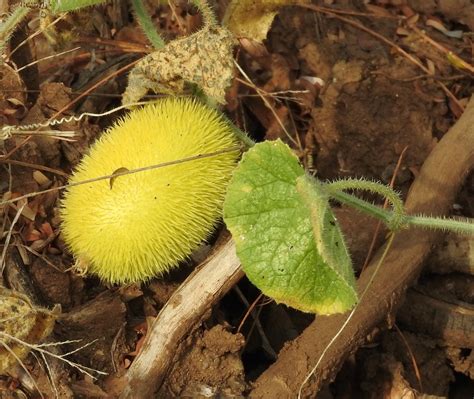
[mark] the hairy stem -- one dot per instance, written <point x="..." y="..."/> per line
<point x="403" y="221"/>
<point x="8" y="26"/>
<point x="364" y="206"/>
<point x="241" y="135"/>
<point x="433" y="223"/>
<point x="147" y="24"/>
<point x="207" y="12"/>
<point x="398" y="217"/>
<point x="58" y="6"/>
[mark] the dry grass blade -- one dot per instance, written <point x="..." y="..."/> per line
<point x="453" y="58"/>
<point x="261" y="94"/>
<point x="78" y="98"/>
<point x="385" y="205"/>
<point x="47" y="58"/>
<point x="350" y="316"/>
<point x="9" y="236"/>
<point x="32" y="36"/>
<point x="412" y="357"/>
<point x="39" y="348"/>
<point x="121" y="173"/>
<point x="20" y="362"/>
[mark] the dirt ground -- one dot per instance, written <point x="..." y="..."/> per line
<point x="344" y="88"/>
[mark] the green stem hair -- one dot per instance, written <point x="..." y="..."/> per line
<point x="59" y="6"/>
<point x="147" y="24"/>
<point x="440" y="223"/>
<point x="207" y="12"/>
<point x="398" y="216"/>
<point x="241" y="135"/>
<point x="395" y="219"/>
<point x="364" y="206"/>
<point x="8" y="26"/>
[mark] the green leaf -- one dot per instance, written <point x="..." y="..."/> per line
<point x="271" y="224"/>
<point x="328" y="236"/>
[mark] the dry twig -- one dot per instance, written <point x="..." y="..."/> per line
<point x="185" y="308"/>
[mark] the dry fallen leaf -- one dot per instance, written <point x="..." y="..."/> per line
<point x="23" y="321"/>
<point x="253" y="19"/>
<point x="204" y="58"/>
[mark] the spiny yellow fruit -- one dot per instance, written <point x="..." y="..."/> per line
<point x="147" y="222"/>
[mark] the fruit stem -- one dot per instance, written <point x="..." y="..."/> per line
<point x="241" y="135"/>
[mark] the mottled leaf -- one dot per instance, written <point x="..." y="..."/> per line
<point x="204" y="58"/>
